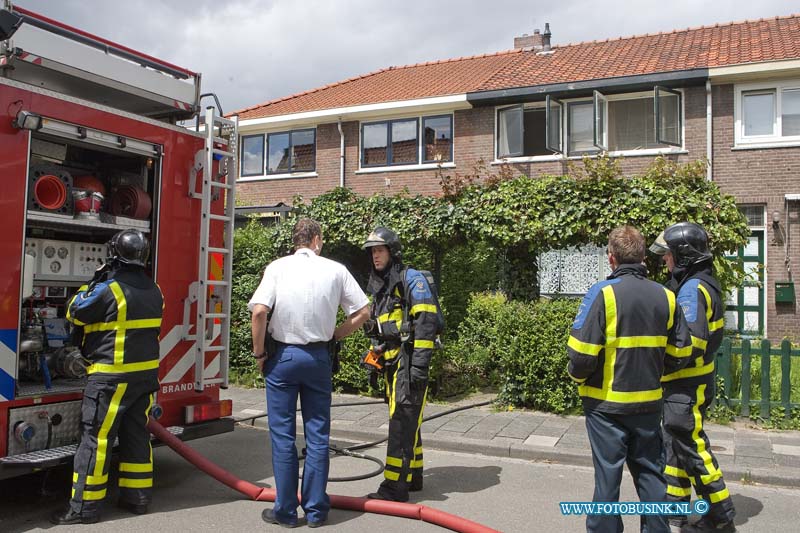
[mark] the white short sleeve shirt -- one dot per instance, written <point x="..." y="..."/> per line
<point x="304" y="292"/>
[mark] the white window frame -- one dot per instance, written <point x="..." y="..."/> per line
<point x="565" y="136"/>
<point x="420" y="146"/>
<point x="282" y="176"/>
<point x="776" y="140"/>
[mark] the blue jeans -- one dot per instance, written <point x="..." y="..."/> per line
<point x="634" y="440"/>
<point x="303" y="371"/>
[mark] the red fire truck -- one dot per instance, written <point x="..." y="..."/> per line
<point x="91" y="142"/>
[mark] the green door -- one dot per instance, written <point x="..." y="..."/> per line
<point x="744" y="313"/>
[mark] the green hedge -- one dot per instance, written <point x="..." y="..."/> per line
<point x="519" y="347"/>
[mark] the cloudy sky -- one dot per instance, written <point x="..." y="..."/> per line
<point x="251" y="51"/>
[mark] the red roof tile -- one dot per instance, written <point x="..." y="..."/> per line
<point x="704" y="47"/>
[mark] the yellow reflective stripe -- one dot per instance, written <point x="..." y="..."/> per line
<point x="392" y="403"/>
<point x="91" y="480"/>
<point x="700" y="443"/>
<point x="416" y="463"/>
<point x="396" y="316"/>
<point x="102" y="434"/>
<point x="699" y="343"/>
<point x="419" y="308"/>
<point x="392" y="476"/>
<point x="686" y="351"/>
<point x="642" y="341"/>
<point x="394" y="461"/>
<point x="690" y="372"/>
<point x="717" y="324"/>
<point x="122" y="316"/>
<point x="671" y="302"/>
<point x="91" y="495"/>
<point x="69" y="315"/>
<point x="119" y="369"/>
<point x="679" y="491"/>
<point x="718" y="496"/>
<point x="675" y="472"/>
<point x="391" y="354"/>
<point x="619" y="396"/>
<point x="586" y="348"/>
<point x="423" y="344"/>
<point x="135" y="467"/>
<point x="611" y="336"/>
<point x="418" y="450"/>
<point x="135" y="483"/>
<point x="573" y="378"/>
<point x="709" y="309"/>
<point x="128" y="324"/>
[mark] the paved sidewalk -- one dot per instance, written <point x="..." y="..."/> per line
<point x="744" y="454"/>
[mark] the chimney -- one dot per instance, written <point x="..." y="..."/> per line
<point x="538" y="42"/>
<point x="546" y="38"/>
<point x="529" y="42"/>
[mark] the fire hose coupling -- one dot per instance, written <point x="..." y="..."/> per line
<point x="373" y="359"/>
<point x="24" y="432"/>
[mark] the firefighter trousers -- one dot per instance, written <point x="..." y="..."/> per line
<point x="403" y="470"/>
<point x="689" y="459"/>
<point x="617" y="440"/>
<point x="110" y="410"/>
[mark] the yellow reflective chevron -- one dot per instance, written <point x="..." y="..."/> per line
<point x="586" y="348"/>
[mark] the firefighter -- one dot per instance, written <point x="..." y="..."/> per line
<point x="628" y="330"/>
<point x="403" y="326"/>
<point x="687" y="392"/>
<point x="120" y="314"/>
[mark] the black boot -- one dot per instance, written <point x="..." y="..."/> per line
<point x="135" y="508"/>
<point x="415" y="485"/>
<point x="68" y="517"/>
<point x="383" y="495"/>
<point x="707" y="525"/>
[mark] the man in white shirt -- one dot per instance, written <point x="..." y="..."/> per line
<point x="303" y="291"/>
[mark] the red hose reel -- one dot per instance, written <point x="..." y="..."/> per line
<point x="132" y="202"/>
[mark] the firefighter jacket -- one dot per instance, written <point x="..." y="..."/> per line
<point x="388" y="311"/>
<point x="699" y="297"/>
<point x="628" y="332"/>
<point x="121" y="321"/>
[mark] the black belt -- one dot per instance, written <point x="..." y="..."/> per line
<point x="319" y="344"/>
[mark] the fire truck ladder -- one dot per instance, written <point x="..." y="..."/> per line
<point x="208" y="291"/>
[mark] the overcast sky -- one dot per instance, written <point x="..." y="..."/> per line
<point x="251" y="51"/>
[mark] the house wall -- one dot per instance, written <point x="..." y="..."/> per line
<point x="762" y="177"/>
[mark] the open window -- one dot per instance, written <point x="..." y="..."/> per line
<point x="668" y="124"/>
<point x="510" y="131"/>
<point x="600" y="122"/>
<point x="554" y="140"/>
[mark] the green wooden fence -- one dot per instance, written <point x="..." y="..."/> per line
<point x="726" y="369"/>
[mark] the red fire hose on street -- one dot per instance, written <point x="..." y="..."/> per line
<point x="350" y="503"/>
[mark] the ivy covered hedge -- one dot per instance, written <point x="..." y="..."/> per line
<point x="485" y="233"/>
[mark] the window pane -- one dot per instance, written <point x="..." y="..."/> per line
<point x="754" y="214"/>
<point x="790" y="112"/>
<point x="535" y="133"/>
<point x="759" y="113"/>
<point x="438" y="135"/>
<point x="581" y="131"/>
<point x="374" y="143"/>
<point x="278" y="161"/>
<point x="669" y="110"/>
<point x="510" y="142"/>
<point x="303" y="151"/>
<point x="631" y="124"/>
<point x="252" y="155"/>
<point x="554" y="123"/>
<point x="404" y="142"/>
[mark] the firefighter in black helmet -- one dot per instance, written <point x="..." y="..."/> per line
<point x="687" y="392"/>
<point x="403" y="327"/>
<point x="120" y="314"/>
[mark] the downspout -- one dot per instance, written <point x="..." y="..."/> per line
<point x="341" y="153"/>
<point x="709" y="136"/>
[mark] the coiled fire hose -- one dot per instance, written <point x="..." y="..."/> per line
<point x="350" y="503"/>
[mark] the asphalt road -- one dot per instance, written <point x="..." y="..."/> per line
<point x="507" y="494"/>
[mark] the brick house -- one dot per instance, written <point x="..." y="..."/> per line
<point x="728" y="93"/>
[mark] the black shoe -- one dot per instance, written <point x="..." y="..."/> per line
<point x="707" y="525"/>
<point x="380" y="496"/>
<point x="677" y="523"/>
<point x="316" y="523"/>
<point x="68" y="517"/>
<point x="268" y="516"/>
<point x="135" y="508"/>
<point x="415" y="485"/>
